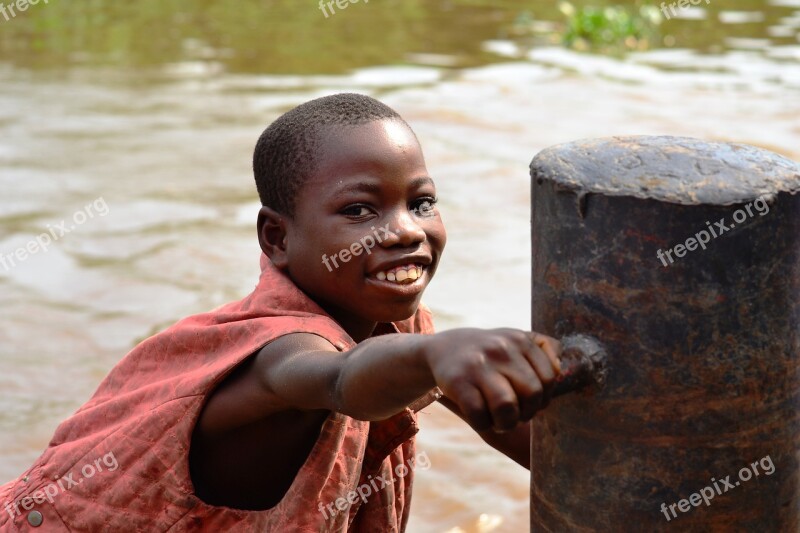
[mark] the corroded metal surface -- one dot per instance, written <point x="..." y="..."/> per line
<point x="584" y="365"/>
<point x="671" y="169"/>
<point x="704" y="353"/>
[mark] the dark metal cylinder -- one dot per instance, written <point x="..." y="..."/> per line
<point x="697" y="427"/>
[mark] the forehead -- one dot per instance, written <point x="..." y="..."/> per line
<point x="385" y="150"/>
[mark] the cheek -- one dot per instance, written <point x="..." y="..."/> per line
<point x="438" y="236"/>
<point x="305" y="253"/>
<point x="443" y="237"/>
<point x="331" y="255"/>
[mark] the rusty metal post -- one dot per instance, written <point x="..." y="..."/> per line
<point x="682" y="257"/>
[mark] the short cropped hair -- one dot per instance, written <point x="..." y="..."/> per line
<point x="285" y="155"/>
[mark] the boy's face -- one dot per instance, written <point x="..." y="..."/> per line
<point x="366" y="236"/>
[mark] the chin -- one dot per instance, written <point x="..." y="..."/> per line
<point x="394" y="313"/>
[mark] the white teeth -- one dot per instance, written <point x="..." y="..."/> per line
<point x="410" y="273"/>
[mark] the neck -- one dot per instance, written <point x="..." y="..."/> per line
<point x="357" y="328"/>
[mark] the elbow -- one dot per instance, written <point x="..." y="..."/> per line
<point x="353" y="399"/>
<point x="337" y="392"/>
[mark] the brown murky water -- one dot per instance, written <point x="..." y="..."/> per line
<point x="148" y="168"/>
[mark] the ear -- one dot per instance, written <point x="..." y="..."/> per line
<point x="272" y="236"/>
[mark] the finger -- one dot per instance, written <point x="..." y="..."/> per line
<point x="551" y="347"/>
<point x="521" y="371"/>
<point x="522" y="376"/>
<point x="472" y="405"/>
<point x="529" y="391"/>
<point x="543" y="367"/>
<point x="542" y="364"/>
<point x="501" y="401"/>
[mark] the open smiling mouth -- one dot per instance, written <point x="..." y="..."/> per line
<point x="401" y="275"/>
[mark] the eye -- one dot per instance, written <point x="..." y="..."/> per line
<point x="424" y="207"/>
<point x="356" y="211"/>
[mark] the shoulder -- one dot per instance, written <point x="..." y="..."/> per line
<point x="291" y="345"/>
<point x="291" y="372"/>
<point x="286" y="358"/>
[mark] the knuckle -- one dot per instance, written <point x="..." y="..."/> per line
<point x="456" y="387"/>
<point x="520" y="337"/>
<point x="545" y="371"/>
<point x="535" y="389"/>
<point x="548" y="379"/>
<point x="498" y="343"/>
<point x="474" y="362"/>
<point x="498" y="349"/>
<point x="556" y="349"/>
<point x="549" y="342"/>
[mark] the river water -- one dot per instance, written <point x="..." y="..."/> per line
<point x="148" y="167"/>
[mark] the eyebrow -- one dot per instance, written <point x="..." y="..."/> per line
<point x="420" y="181"/>
<point x="375" y="188"/>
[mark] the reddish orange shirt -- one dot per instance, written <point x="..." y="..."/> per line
<point x="121" y="462"/>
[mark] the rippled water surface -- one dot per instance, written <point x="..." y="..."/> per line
<point x="144" y="120"/>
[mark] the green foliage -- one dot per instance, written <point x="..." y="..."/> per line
<point x="612" y="28"/>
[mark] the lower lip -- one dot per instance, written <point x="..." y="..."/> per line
<point x="409" y="289"/>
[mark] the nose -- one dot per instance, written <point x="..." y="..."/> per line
<point x="404" y="230"/>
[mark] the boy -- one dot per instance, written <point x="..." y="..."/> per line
<point x="273" y="413"/>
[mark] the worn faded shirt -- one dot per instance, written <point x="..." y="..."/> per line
<point x="121" y="462"/>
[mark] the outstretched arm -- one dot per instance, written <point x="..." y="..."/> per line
<point x="301" y="371"/>
<point x="496" y="378"/>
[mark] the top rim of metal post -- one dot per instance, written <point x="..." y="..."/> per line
<point x="681" y="170"/>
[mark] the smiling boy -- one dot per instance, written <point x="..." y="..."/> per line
<point x="258" y="415"/>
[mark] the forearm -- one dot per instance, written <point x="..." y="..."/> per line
<point x="381" y="376"/>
